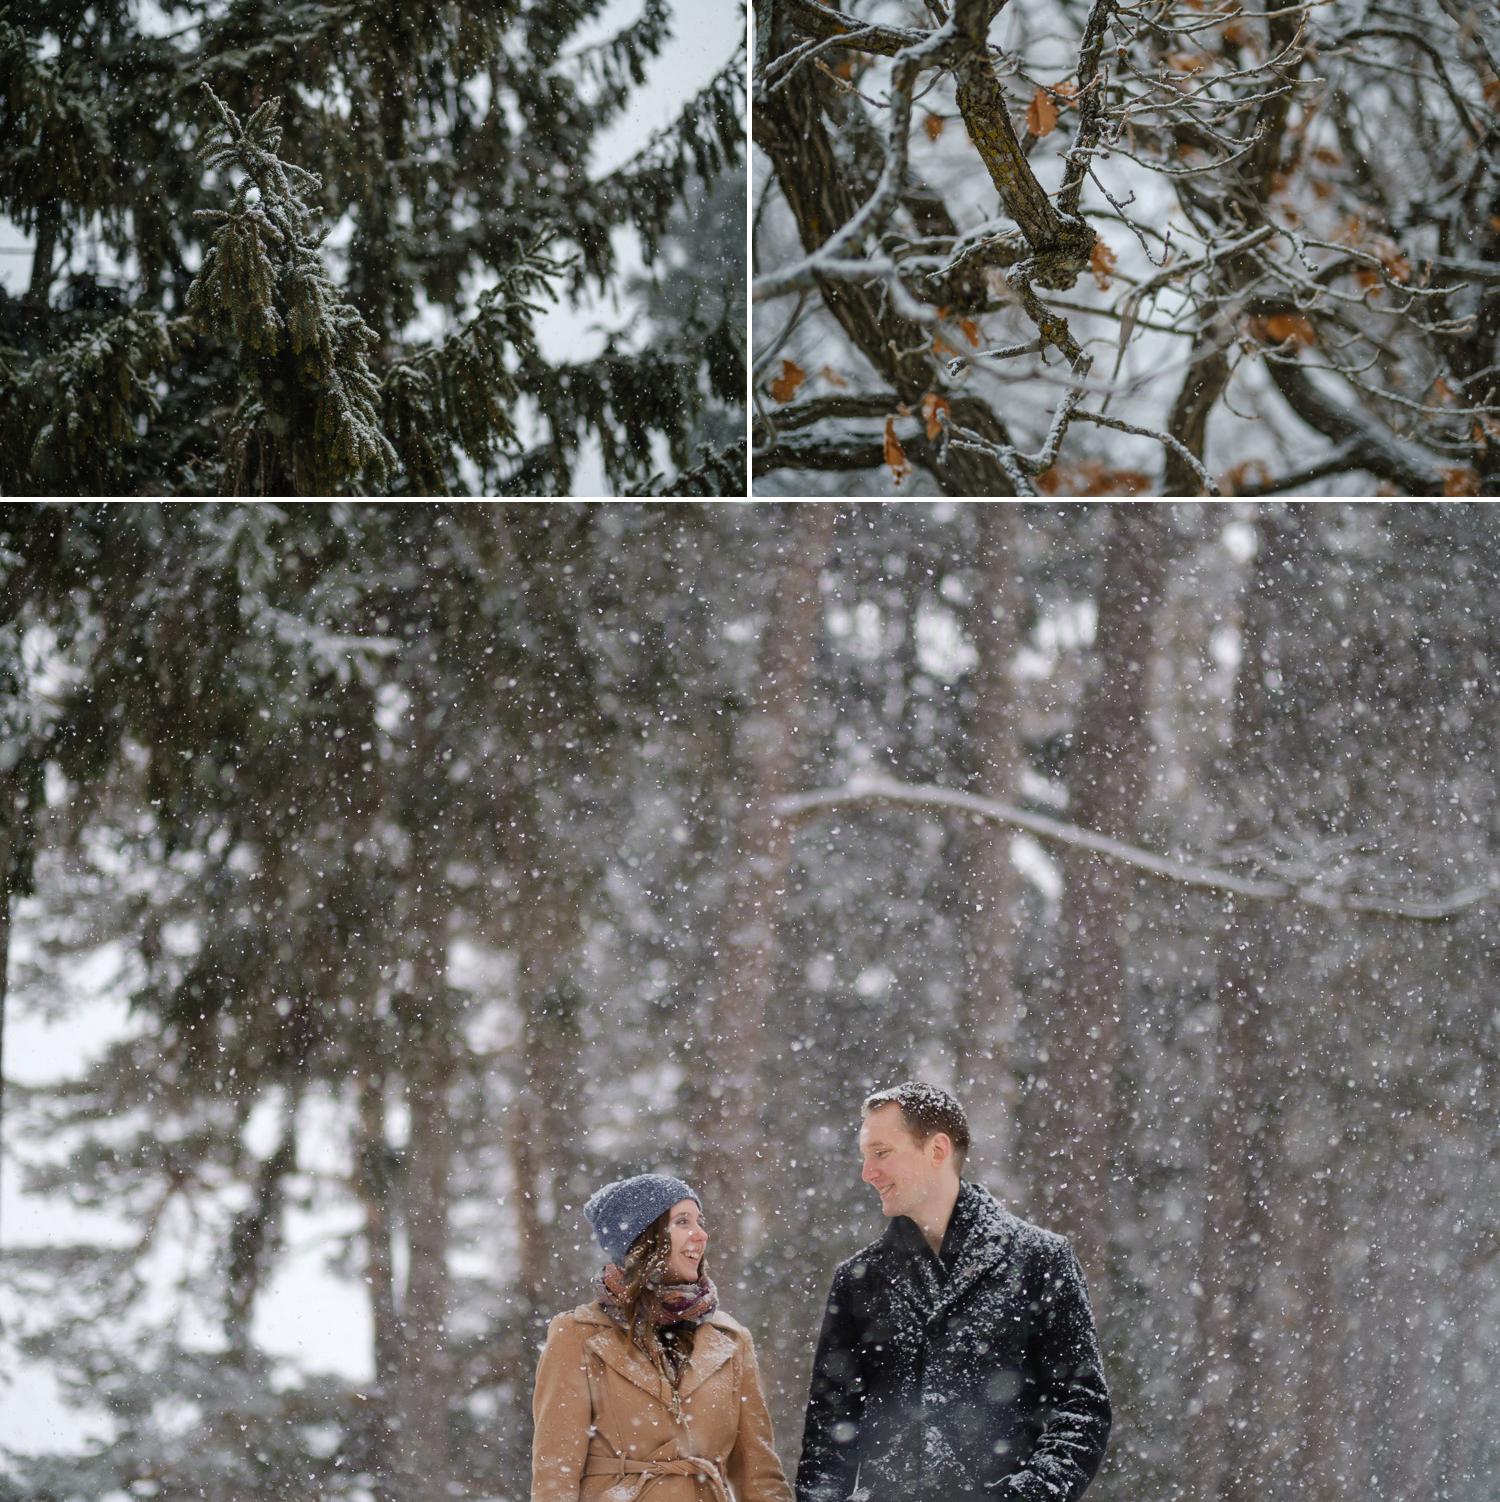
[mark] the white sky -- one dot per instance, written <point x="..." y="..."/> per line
<point x="705" y="33"/>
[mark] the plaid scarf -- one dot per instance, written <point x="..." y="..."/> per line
<point x="674" y="1303"/>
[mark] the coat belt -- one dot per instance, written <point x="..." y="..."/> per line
<point x="654" y="1470"/>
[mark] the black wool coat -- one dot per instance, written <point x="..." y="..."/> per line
<point x="972" y="1374"/>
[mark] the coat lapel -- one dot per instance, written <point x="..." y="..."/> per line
<point x="913" y="1282"/>
<point x="712" y="1347"/>
<point x="620" y="1356"/>
<point x="987" y="1244"/>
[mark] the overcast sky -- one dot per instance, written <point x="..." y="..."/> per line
<point x="705" y="33"/>
<point x="704" y="36"/>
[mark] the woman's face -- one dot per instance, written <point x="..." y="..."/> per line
<point x="689" y="1238"/>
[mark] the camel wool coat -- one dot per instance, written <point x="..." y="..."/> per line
<point x="610" y="1428"/>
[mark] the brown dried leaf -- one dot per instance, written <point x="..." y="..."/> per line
<point x="1397" y="267"/>
<point x="1095" y="478"/>
<point x="933" y="406"/>
<point x="784" y="387"/>
<point x="941" y="346"/>
<point x="1091" y="477"/>
<point x="832" y="376"/>
<point x="1246" y="472"/>
<point x="1462" y="481"/>
<point x="1102" y="264"/>
<point x="895" y="456"/>
<point x="1041" y="114"/>
<point x="1282" y="327"/>
<point x="971" y="331"/>
<point x="933" y="125"/>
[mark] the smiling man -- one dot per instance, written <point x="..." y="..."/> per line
<point x="958" y="1356"/>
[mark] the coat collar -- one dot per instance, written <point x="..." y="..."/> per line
<point x="977" y="1241"/>
<point x="712" y="1347"/>
<point x="714" y="1344"/>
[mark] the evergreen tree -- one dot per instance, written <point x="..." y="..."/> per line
<point x="276" y="208"/>
<point x="693" y="301"/>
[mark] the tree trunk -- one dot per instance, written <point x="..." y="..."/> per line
<point x="6" y="903"/>
<point x="760" y="852"/>
<point x="10" y="799"/>
<point x="375" y="1187"/>
<point x="1235" y="1235"/>
<point x="1320" y="1337"/>
<point x="423" y="1458"/>
<point x="40" y="286"/>
<point x="526" y="1178"/>
<point x="1106" y="781"/>
<point x="429" y="1054"/>
<point x="544" y="1115"/>
<point x="1203" y="384"/>
<point x="1234" y="1247"/>
<point x="985" y="1044"/>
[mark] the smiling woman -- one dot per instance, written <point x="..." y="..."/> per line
<point x="652" y="1384"/>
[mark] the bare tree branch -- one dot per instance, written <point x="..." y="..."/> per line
<point x="1325" y="893"/>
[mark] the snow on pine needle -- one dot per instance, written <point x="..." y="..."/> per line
<point x="264" y="283"/>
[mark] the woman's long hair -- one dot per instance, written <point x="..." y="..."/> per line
<point x="645" y="1268"/>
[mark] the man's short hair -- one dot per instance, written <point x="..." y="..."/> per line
<point x="925" y="1111"/>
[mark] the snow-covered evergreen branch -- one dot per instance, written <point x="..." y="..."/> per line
<point x="311" y="418"/>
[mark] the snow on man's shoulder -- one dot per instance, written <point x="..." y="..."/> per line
<point x="1032" y="1240"/>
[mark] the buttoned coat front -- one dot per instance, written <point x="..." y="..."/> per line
<point x="610" y="1428"/>
<point x="973" y="1374"/>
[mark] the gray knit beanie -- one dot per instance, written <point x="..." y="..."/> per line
<point x="620" y="1211"/>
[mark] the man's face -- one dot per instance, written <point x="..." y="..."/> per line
<point x="901" y="1170"/>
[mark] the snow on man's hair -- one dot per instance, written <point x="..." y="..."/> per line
<point x="926" y="1110"/>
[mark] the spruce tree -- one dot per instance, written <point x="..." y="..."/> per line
<point x="690" y="305"/>
<point x="301" y="250"/>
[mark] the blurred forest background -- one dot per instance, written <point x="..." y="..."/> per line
<point x="380" y="879"/>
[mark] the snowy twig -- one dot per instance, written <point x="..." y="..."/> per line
<point x="876" y="792"/>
